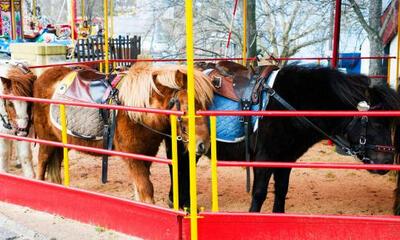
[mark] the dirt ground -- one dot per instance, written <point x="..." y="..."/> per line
<point x="311" y="191"/>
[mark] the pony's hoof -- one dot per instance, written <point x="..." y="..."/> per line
<point x="18" y="165"/>
<point x="397" y="211"/>
<point x="170" y="203"/>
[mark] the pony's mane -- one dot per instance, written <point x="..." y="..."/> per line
<point x="351" y="88"/>
<point x="355" y="88"/>
<point x="21" y="82"/>
<point x="138" y="85"/>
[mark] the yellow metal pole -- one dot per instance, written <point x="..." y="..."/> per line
<point x="112" y="17"/>
<point x="106" y="60"/>
<point x="398" y="49"/>
<point x="244" y="51"/>
<point x="389" y="62"/>
<point x="175" y="183"/>
<point x="64" y="141"/>
<point x="82" y="9"/>
<point x="34" y="6"/>
<point x="192" y="118"/>
<point x="13" y="25"/>
<point x="214" y="176"/>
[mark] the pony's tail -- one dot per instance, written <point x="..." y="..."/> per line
<point x="396" y="205"/>
<point x="54" y="166"/>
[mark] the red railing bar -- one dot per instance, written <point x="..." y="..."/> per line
<point x="239" y="58"/>
<point x="89" y="149"/>
<point x="353" y="166"/>
<point x="301" y="113"/>
<point x="203" y="60"/>
<point x="67" y="64"/>
<point x="94" y="105"/>
<point x="388" y="219"/>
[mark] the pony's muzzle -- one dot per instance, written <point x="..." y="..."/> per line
<point x="22" y="128"/>
<point x="22" y="132"/>
<point x="201" y="148"/>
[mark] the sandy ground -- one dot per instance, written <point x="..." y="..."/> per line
<point x="312" y="191"/>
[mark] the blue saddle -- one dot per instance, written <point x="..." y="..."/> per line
<point x="231" y="128"/>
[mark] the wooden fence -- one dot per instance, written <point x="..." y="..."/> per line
<point x="120" y="48"/>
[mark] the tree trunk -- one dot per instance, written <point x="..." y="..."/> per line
<point x="251" y="29"/>
<point x="376" y="43"/>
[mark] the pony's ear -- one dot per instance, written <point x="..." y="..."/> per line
<point x="6" y="84"/>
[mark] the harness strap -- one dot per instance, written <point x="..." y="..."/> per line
<point x="246" y="102"/>
<point x="338" y="141"/>
<point x="109" y="117"/>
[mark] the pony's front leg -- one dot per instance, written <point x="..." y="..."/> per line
<point x="281" y="178"/>
<point x="24" y="155"/>
<point x="5" y="150"/>
<point x="396" y="206"/>
<point x="183" y="175"/>
<point x="260" y="188"/>
<point x="143" y="188"/>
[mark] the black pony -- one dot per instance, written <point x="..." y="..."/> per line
<point x="285" y="139"/>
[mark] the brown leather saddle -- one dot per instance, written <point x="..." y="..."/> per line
<point x="86" y="85"/>
<point x="232" y="80"/>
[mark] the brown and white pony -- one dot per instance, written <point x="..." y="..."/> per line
<point x="143" y="86"/>
<point x="16" y="79"/>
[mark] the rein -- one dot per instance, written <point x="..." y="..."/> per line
<point x="174" y="101"/>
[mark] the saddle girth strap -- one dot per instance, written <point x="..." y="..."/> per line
<point x="246" y="102"/>
<point x="109" y="117"/>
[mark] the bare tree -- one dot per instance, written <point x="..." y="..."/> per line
<point x="280" y="26"/>
<point x="291" y="25"/>
<point x="369" y="13"/>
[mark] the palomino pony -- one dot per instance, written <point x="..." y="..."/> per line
<point x="285" y="139"/>
<point x="142" y="133"/>
<point x="16" y="79"/>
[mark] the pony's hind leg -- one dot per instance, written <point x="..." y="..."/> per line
<point x="281" y="178"/>
<point x="5" y="147"/>
<point x="24" y="156"/>
<point x="143" y="188"/>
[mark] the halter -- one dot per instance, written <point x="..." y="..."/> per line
<point x="357" y="150"/>
<point x="5" y="120"/>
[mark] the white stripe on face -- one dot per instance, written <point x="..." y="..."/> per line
<point x="21" y="110"/>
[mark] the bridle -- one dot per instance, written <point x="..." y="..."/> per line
<point x="173" y="102"/>
<point x="362" y="147"/>
<point x="358" y="150"/>
<point x="4" y="118"/>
